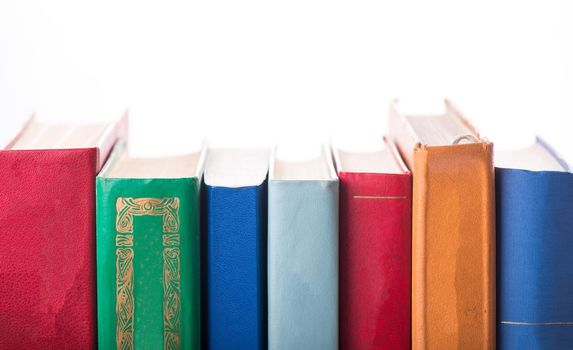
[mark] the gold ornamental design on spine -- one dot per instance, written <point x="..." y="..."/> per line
<point x="168" y="209"/>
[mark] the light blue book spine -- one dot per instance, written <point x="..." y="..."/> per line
<point x="303" y="264"/>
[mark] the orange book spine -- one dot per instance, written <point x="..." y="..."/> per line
<point x="453" y="247"/>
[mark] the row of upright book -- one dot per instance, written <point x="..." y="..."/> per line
<point x="419" y="242"/>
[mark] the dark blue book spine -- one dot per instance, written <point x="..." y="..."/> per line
<point x="235" y="271"/>
<point x="534" y="259"/>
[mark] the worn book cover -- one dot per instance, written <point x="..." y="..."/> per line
<point x="148" y="255"/>
<point x="453" y="229"/>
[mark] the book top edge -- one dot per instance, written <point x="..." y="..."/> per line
<point x="537" y="157"/>
<point x="384" y="159"/>
<point x="121" y="166"/>
<point x="236" y="168"/>
<point x="315" y="165"/>
<point x="447" y="128"/>
<point x="37" y="134"/>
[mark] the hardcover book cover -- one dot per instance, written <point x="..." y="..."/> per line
<point x="47" y="245"/>
<point x="235" y="249"/>
<point x="148" y="253"/>
<point x="535" y="240"/>
<point x="375" y="243"/>
<point x="303" y="254"/>
<point x="453" y="229"/>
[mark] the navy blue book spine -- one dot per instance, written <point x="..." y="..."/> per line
<point x="235" y="272"/>
<point x="534" y="259"/>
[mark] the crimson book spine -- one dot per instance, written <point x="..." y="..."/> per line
<point x="375" y="260"/>
<point x="47" y="246"/>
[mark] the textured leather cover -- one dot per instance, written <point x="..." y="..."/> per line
<point x="303" y="264"/>
<point x="235" y="258"/>
<point x="375" y="241"/>
<point x="148" y="263"/>
<point x="535" y="260"/>
<point x="453" y="242"/>
<point x="47" y="247"/>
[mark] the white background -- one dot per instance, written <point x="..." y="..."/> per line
<point x="260" y="71"/>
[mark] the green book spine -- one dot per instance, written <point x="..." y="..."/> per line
<point x="148" y="250"/>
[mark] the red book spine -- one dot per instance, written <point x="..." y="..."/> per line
<point x="47" y="256"/>
<point x="47" y="245"/>
<point x="375" y="260"/>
